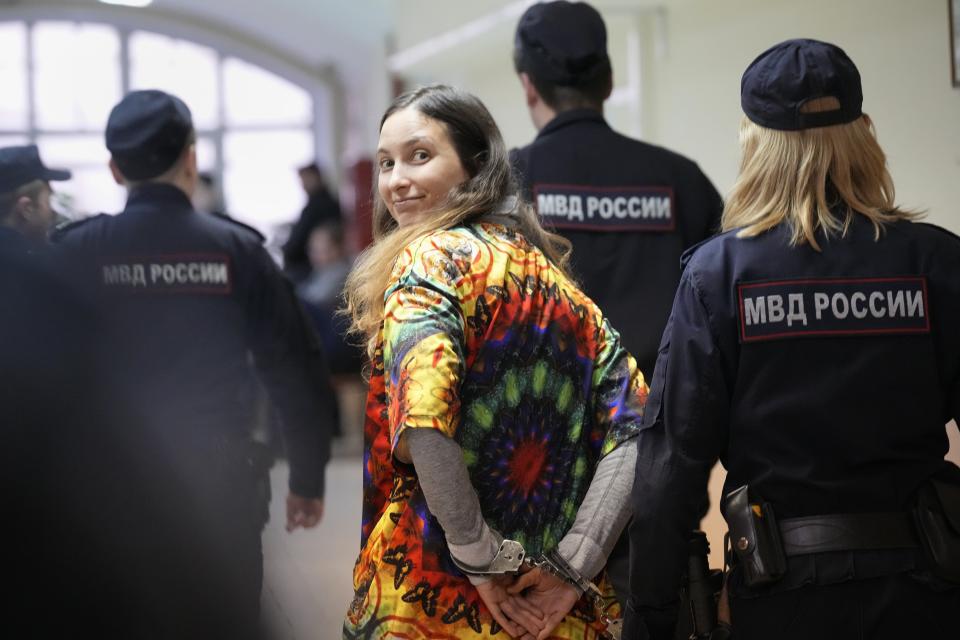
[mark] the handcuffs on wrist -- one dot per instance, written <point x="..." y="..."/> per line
<point x="511" y="555"/>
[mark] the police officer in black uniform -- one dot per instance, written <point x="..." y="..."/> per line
<point x="629" y="208"/>
<point x="814" y="348"/>
<point x="187" y="299"/>
<point x="51" y="432"/>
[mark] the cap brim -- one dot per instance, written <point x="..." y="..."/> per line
<point x="57" y="174"/>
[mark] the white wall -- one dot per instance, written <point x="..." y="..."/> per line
<point x="902" y="51"/>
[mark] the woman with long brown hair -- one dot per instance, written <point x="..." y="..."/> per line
<point x="502" y="408"/>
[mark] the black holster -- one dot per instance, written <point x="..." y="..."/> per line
<point x="699" y="594"/>
<point x="754" y="538"/>
<point x="937" y="518"/>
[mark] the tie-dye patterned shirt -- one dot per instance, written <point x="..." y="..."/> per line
<point x="486" y="341"/>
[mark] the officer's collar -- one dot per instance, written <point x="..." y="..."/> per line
<point x="158" y="193"/>
<point x="564" y="118"/>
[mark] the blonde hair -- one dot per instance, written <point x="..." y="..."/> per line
<point x="814" y="179"/>
<point x="483" y="154"/>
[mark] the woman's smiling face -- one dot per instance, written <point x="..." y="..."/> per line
<point x="418" y="165"/>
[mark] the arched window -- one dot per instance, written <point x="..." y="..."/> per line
<point x="61" y="78"/>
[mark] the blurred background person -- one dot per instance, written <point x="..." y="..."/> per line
<point x="321" y="208"/>
<point x="63" y="476"/>
<point x="329" y="265"/>
<point x="322" y="295"/>
<point x="26" y="215"/>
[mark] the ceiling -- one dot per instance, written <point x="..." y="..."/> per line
<point x="353" y="43"/>
<point x="315" y="31"/>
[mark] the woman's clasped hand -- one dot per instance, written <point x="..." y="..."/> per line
<point x="530" y="605"/>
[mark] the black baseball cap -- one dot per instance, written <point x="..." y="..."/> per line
<point x="562" y="43"/>
<point x="146" y="133"/>
<point x="22" y="165"/>
<point x="786" y="76"/>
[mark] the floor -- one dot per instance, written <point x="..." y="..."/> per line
<point x="307" y="575"/>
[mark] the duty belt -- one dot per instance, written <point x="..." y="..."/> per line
<point x="847" y="532"/>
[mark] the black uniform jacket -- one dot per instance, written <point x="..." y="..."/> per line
<point x="821" y="380"/>
<point x="189" y="298"/>
<point x="629" y="208"/>
<point x="59" y="455"/>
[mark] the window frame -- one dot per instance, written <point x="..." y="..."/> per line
<point x="320" y="83"/>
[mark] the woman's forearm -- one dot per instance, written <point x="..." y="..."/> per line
<point x="603" y="513"/>
<point x="451" y="497"/>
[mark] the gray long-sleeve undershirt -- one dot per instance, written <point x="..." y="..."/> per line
<point x="453" y="501"/>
